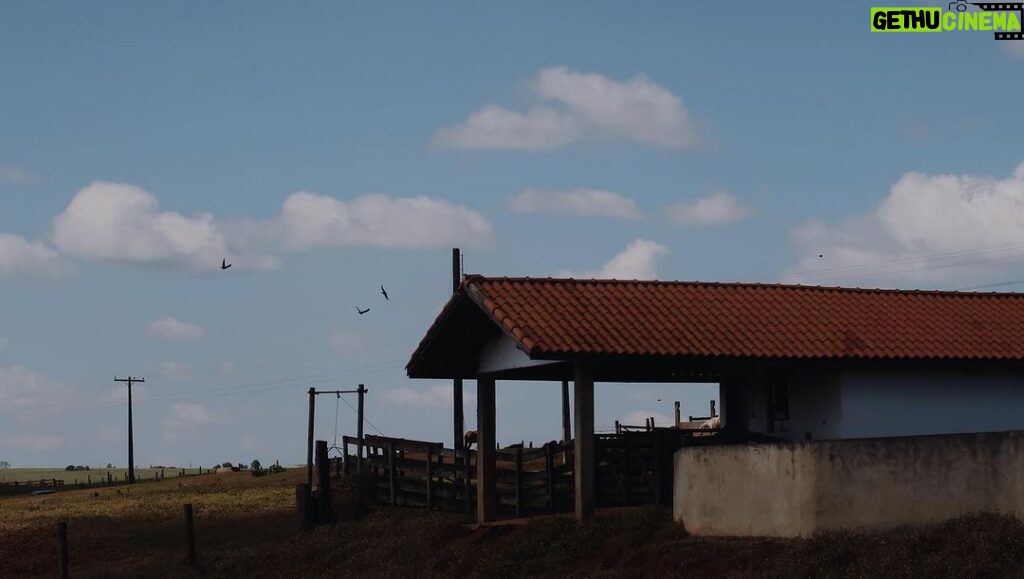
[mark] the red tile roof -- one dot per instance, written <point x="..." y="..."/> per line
<point x="564" y="317"/>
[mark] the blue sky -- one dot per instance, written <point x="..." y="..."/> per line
<point x="328" y="148"/>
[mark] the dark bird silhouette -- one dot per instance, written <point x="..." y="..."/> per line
<point x="384" y="292"/>
<point x="821" y="255"/>
<point x="361" y="312"/>
<point x="224" y="264"/>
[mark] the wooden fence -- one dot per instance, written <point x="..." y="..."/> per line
<point x="634" y="467"/>
<point x="425" y="474"/>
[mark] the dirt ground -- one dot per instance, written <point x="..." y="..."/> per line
<point x="246" y="526"/>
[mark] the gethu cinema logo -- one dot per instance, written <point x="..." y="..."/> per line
<point x="998" y="17"/>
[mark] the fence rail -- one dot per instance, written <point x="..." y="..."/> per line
<point x="633" y="467"/>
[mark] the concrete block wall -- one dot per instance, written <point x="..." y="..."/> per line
<point x="798" y="489"/>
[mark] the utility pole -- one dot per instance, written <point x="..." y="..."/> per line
<point x="131" y="446"/>
<point x="458" y="418"/>
<point x="361" y="391"/>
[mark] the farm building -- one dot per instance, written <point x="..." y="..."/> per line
<point x="799" y="364"/>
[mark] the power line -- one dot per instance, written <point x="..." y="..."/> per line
<point x="365" y="419"/>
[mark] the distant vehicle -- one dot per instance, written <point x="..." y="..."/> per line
<point x="43" y="492"/>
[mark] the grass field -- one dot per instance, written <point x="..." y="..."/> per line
<point x="35" y="474"/>
<point x="245" y="526"/>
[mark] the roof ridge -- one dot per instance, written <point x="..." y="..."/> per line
<point x="476" y="278"/>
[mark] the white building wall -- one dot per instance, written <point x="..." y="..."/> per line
<point x="814" y="406"/>
<point x="908" y="403"/>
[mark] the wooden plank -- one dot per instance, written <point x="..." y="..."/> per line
<point x="430" y="476"/>
<point x="391" y="472"/>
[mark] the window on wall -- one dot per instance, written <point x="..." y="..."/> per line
<point x="778" y="405"/>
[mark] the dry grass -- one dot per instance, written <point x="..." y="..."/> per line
<point x="245" y="526"/>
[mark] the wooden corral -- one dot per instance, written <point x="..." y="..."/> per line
<point x="633" y="468"/>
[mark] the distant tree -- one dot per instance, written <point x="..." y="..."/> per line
<point x="227" y="464"/>
<point x="69" y="467"/>
<point x="110" y="465"/>
<point x="255" y="465"/>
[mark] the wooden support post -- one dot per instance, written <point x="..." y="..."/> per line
<point x="549" y="467"/>
<point x="584" y="467"/>
<point x="657" y="470"/>
<point x="627" y="479"/>
<point x="566" y="423"/>
<point x="62" y="550"/>
<point x="304" y="506"/>
<point x="190" y="536"/>
<point x="323" y="483"/>
<point x="486" y="466"/>
<point x="677" y="414"/>
<point x="467" y="483"/>
<point x="618" y="427"/>
<point x="391" y="473"/>
<point x="430" y="477"/>
<point x="309" y="438"/>
<point x="519" y="482"/>
<point x="458" y="408"/>
<point x="361" y="391"/>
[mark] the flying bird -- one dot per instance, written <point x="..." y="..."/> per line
<point x="384" y="292"/>
<point x="361" y="312"/>
<point x="224" y="264"/>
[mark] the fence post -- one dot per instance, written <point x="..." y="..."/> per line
<point x="190" y="536"/>
<point x="657" y="469"/>
<point x="62" y="550"/>
<point x="465" y="480"/>
<point x="323" y="483"/>
<point x="430" y="476"/>
<point x="391" y="471"/>
<point x="549" y="466"/>
<point x="304" y="506"/>
<point x="519" y="481"/>
<point x="627" y="479"/>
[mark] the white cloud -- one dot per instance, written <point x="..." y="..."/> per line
<point x="4" y="343"/>
<point x="582" y="202"/>
<point x="590" y="106"/>
<point x="20" y="257"/>
<point x="495" y="127"/>
<point x="1012" y="48"/>
<point x="175" y="329"/>
<point x="121" y="223"/>
<point x="639" y="418"/>
<point x="174" y="370"/>
<point x="638" y="261"/>
<point x="932" y="230"/>
<point x="719" y="208"/>
<point x="117" y="222"/>
<point x="438" y="395"/>
<point x="25" y="390"/>
<point x="13" y="175"/>
<point x="311" y="220"/>
<point x="183" y="417"/>
<point x="345" y="343"/>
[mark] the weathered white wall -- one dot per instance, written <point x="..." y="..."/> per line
<point x="907" y="403"/>
<point x="797" y="489"/>
<point x="839" y="404"/>
<point x="814" y="406"/>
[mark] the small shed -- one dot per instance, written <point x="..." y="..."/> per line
<point x="796" y="362"/>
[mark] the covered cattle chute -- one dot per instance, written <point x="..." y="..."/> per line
<point x="796" y="363"/>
